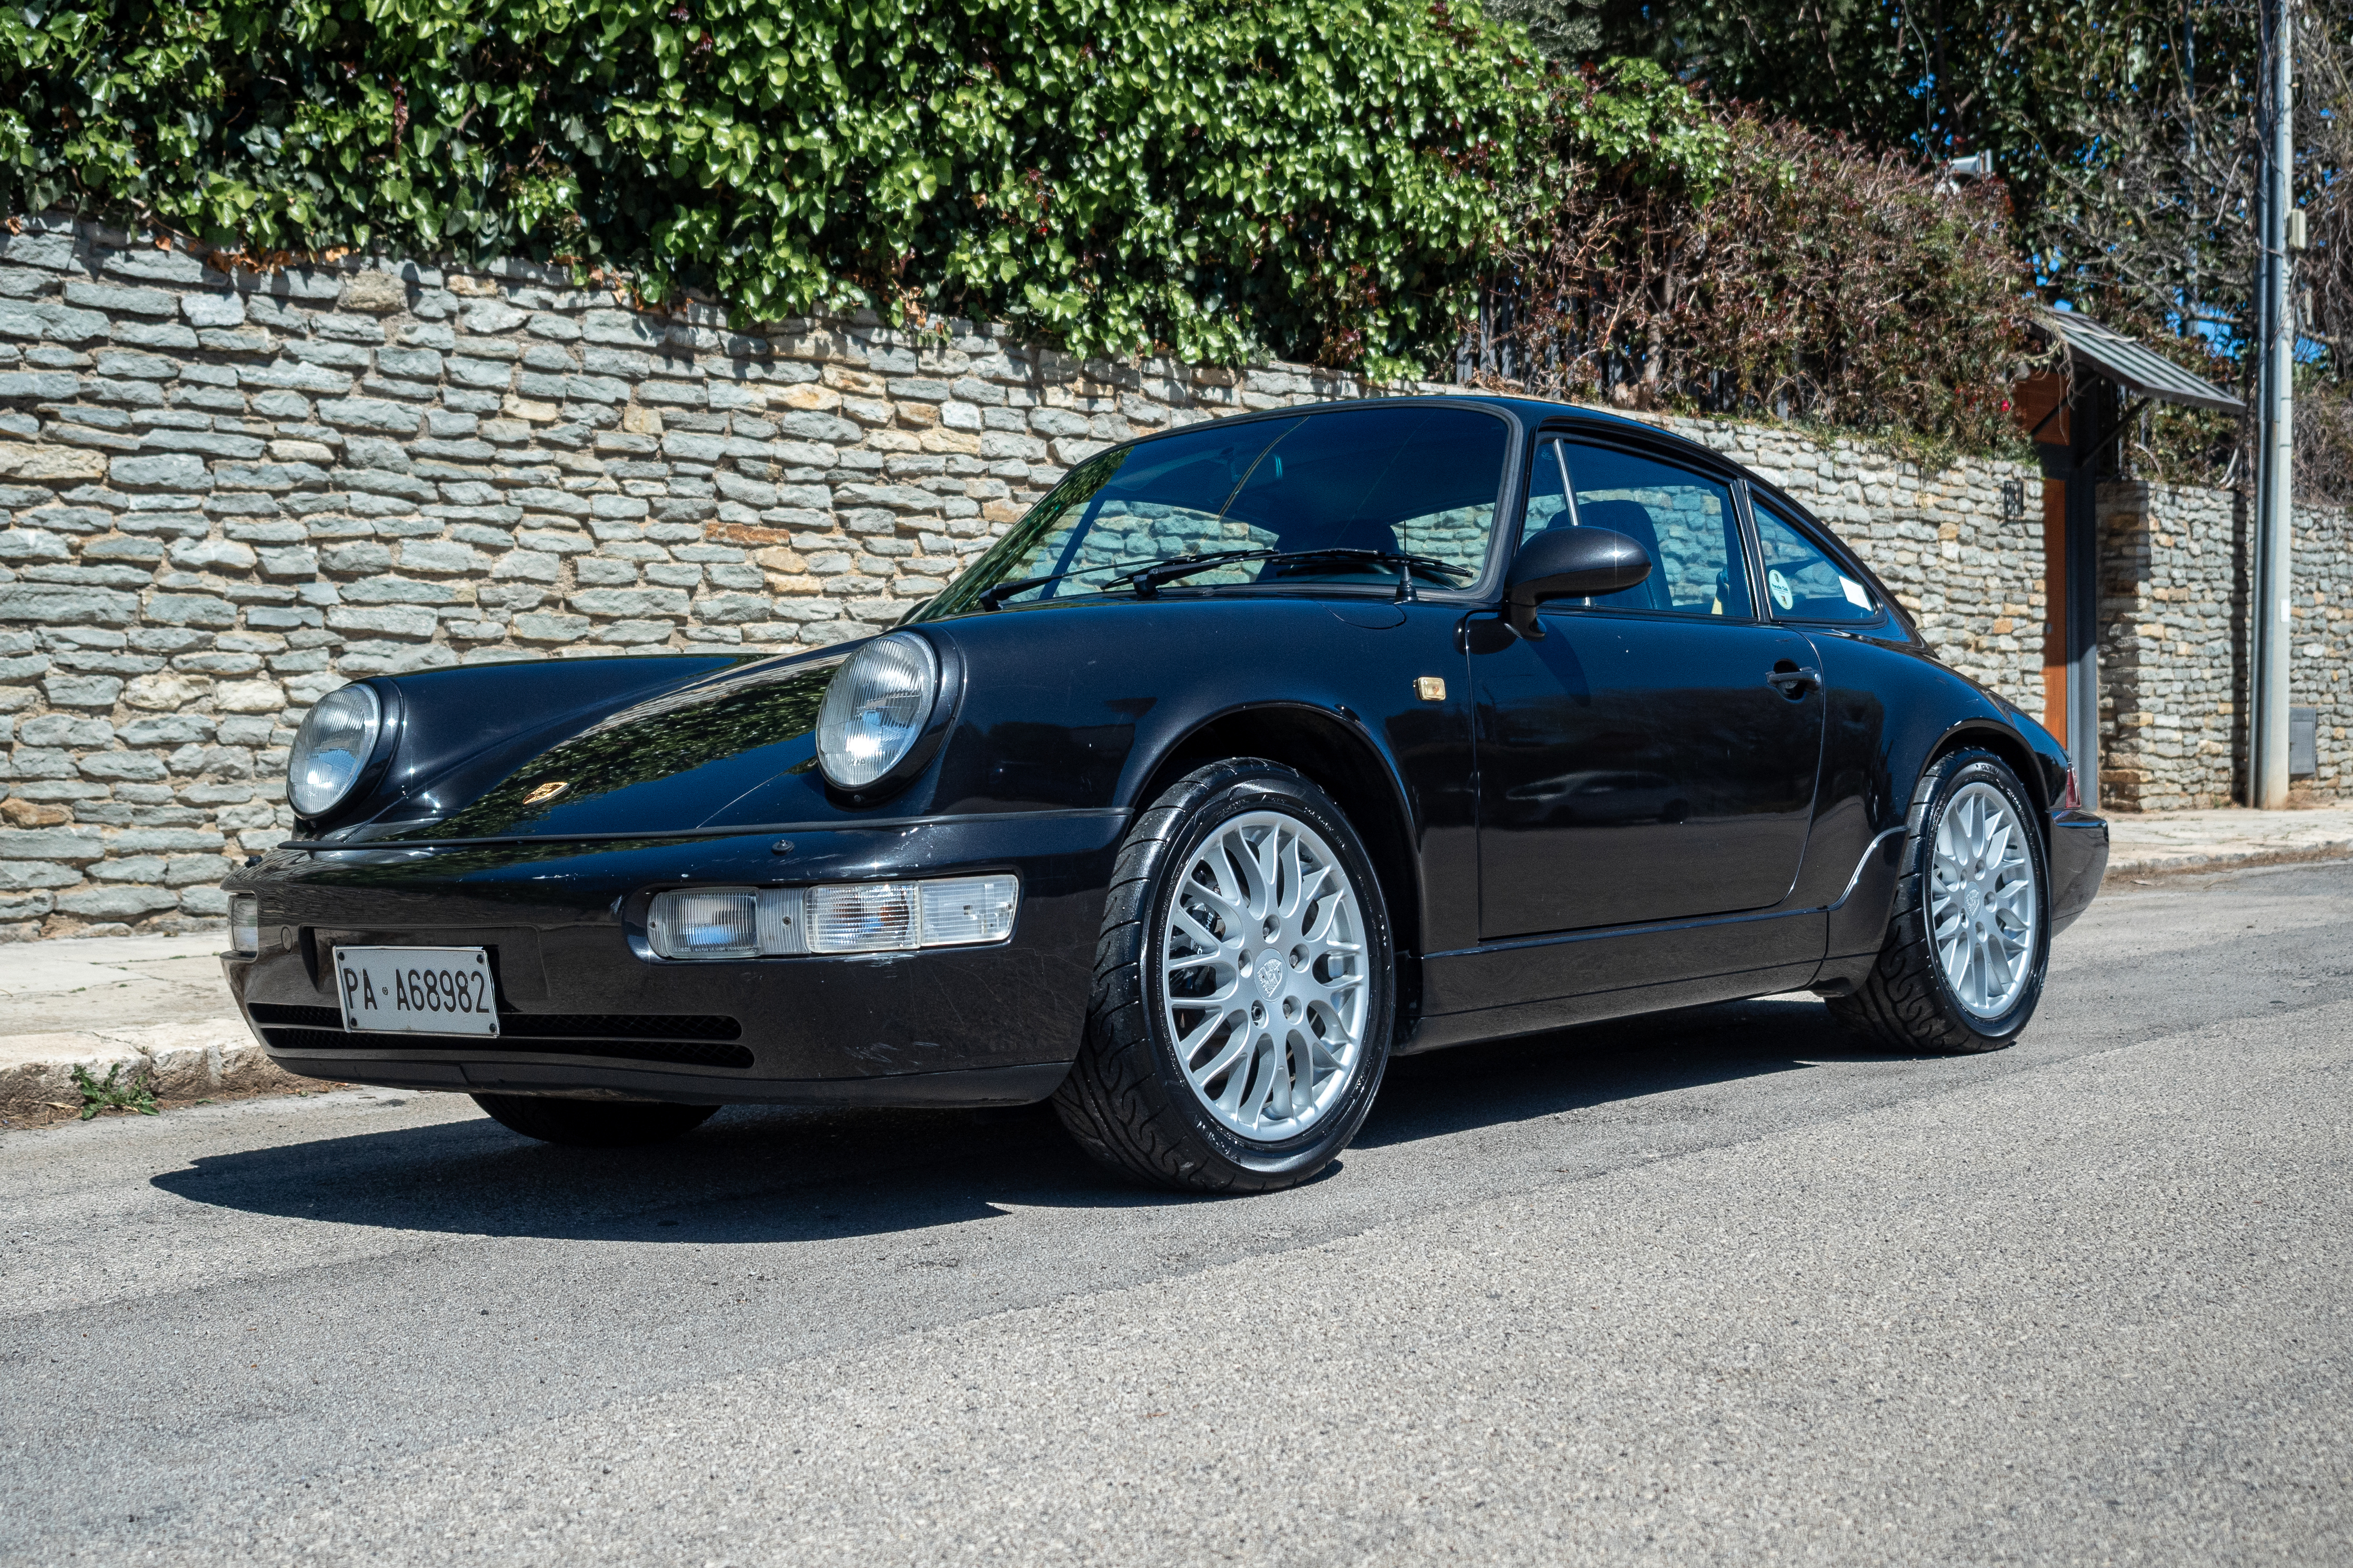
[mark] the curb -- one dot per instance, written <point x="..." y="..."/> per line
<point x="177" y="1061"/>
<point x="2188" y="865"/>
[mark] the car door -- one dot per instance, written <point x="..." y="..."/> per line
<point x="1653" y="757"/>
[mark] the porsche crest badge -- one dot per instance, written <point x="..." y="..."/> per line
<point x="547" y="791"/>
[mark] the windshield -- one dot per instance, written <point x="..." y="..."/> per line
<point x="1395" y="480"/>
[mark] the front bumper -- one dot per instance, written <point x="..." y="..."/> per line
<point x="585" y="1010"/>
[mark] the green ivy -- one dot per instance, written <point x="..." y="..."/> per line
<point x="1213" y="179"/>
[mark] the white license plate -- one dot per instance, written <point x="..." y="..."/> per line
<point x="416" y="990"/>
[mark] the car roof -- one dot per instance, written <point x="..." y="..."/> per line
<point x="1529" y="412"/>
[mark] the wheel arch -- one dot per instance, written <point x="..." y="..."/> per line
<point x="1344" y="763"/>
<point x="1859" y="927"/>
<point x="1984" y="735"/>
<point x="1880" y="993"/>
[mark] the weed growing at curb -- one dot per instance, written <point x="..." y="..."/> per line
<point x="106" y="1094"/>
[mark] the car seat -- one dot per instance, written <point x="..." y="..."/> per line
<point x="1631" y="519"/>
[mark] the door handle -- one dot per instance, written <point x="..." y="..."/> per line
<point x="1792" y="680"/>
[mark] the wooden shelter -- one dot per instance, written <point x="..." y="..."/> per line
<point x="2077" y="414"/>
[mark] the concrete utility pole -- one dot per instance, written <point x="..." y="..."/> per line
<point x="2276" y="426"/>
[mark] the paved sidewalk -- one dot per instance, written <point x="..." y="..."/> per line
<point x="2175" y="841"/>
<point x="154" y="1006"/>
<point x="158" y="1007"/>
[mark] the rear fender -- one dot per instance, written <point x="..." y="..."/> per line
<point x="1925" y="711"/>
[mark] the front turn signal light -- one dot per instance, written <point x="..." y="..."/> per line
<point x="962" y="911"/>
<point x="836" y="916"/>
<point x="245" y="923"/>
<point x="714" y="922"/>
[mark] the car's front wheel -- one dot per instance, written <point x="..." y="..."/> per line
<point x="592" y="1123"/>
<point x="1970" y="941"/>
<point x="1243" y="993"/>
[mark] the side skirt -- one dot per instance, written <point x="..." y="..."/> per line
<point x="1530" y="984"/>
<point x="1535" y="1017"/>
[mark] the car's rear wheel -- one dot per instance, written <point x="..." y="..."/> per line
<point x="1969" y="941"/>
<point x="593" y="1123"/>
<point x="1243" y="991"/>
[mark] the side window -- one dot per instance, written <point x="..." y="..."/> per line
<point x="1802" y="582"/>
<point x="1685" y="520"/>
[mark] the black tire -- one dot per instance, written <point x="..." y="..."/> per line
<point x="1127" y="1100"/>
<point x="1906" y="1003"/>
<point x="593" y="1123"/>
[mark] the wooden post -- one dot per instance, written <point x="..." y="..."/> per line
<point x="2054" y="608"/>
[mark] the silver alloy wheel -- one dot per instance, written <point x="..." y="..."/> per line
<point x="1262" y="975"/>
<point x="1981" y="903"/>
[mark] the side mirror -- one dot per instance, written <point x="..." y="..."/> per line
<point x="1568" y="564"/>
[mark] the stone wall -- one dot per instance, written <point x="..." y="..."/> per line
<point x="2320" y="670"/>
<point x="227" y="494"/>
<point x="2172" y="610"/>
<point x="2174" y="645"/>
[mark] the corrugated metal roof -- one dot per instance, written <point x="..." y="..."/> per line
<point x="2114" y="357"/>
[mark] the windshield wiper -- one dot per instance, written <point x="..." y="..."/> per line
<point x="994" y="596"/>
<point x="1147" y="582"/>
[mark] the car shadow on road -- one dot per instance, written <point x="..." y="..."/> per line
<point x="767" y="1175"/>
<point x="1593" y="1065"/>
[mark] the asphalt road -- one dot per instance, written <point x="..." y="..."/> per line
<point x="1713" y="1287"/>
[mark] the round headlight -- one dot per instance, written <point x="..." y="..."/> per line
<point x="334" y="745"/>
<point x="875" y="708"/>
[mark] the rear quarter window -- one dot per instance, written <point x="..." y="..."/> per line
<point x="1802" y="581"/>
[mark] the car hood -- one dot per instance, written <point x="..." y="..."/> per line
<point x="679" y="761"/>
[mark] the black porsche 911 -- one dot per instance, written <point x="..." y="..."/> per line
<point x="1257" y="752"/>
